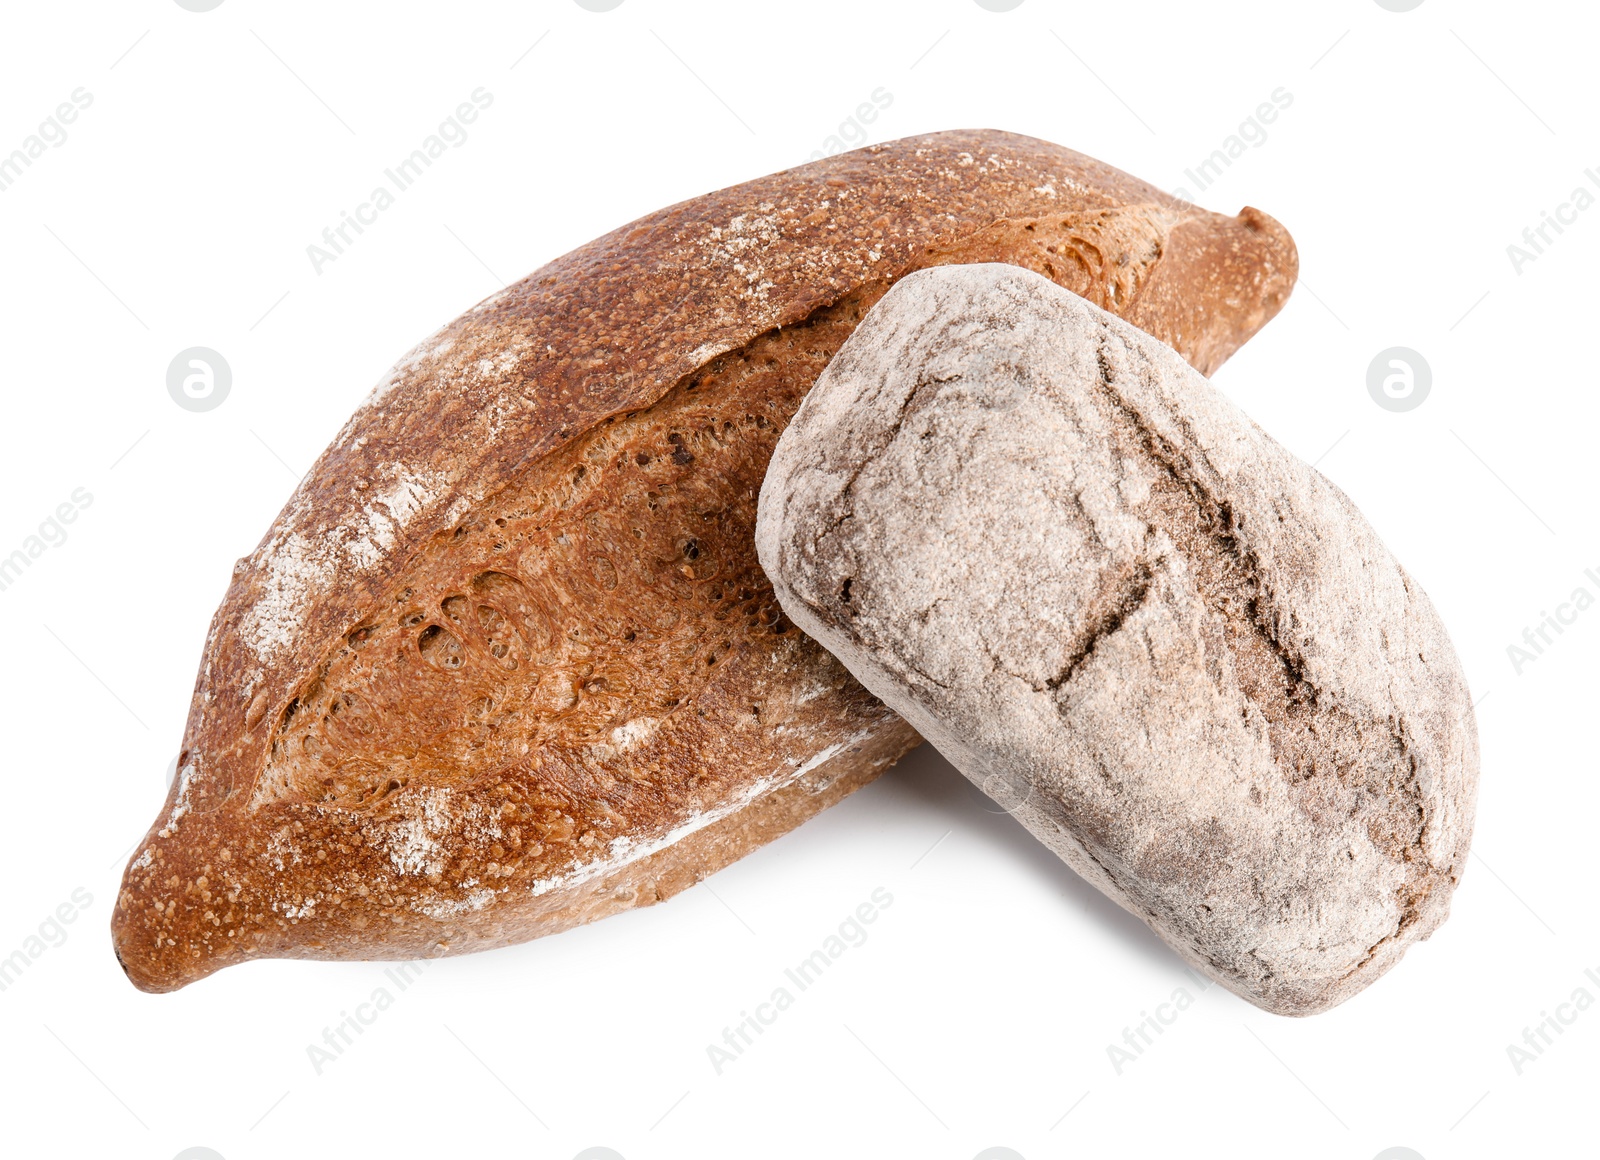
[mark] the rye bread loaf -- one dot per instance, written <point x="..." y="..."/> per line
<point x="1181" y="656"/>
<point x="506" y="662"/>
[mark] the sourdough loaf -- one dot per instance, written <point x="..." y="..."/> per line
<point x="506" y="661"/>
<point x="1110" y="598"/>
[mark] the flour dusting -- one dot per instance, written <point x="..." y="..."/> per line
<point x="413" y="843"/>
<point x="393" y="504"/>
<point x="633" y="733"/>
<point x="740" y="245"/>
<point x="295" y="568"/>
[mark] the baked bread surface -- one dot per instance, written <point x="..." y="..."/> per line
<point x="506" y="661"/>
<point x="1182" y="657"/>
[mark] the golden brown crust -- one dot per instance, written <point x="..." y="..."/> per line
<point x="507" y="650"/>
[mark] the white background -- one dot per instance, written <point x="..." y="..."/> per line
<point x="1418" y="147"/>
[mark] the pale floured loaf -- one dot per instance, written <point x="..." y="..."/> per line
<point x="1181" y="655"/>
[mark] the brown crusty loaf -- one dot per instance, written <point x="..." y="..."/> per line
<point x="506" y="662"/>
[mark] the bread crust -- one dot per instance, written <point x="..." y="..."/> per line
<point x="505" y="662"/>
<point x="1104" y="593"/>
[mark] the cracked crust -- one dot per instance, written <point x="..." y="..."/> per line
<point x="506" y="662"/>
<point x="1084" y="575"/>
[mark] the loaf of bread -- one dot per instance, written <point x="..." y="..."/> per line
<point x="506" y="662"/>
<point x="1182" y="656"/>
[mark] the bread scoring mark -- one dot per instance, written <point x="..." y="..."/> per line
<point x="500" y="650"/>
<point x="1105" y="257"/>
<point x="503" y="644"/>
